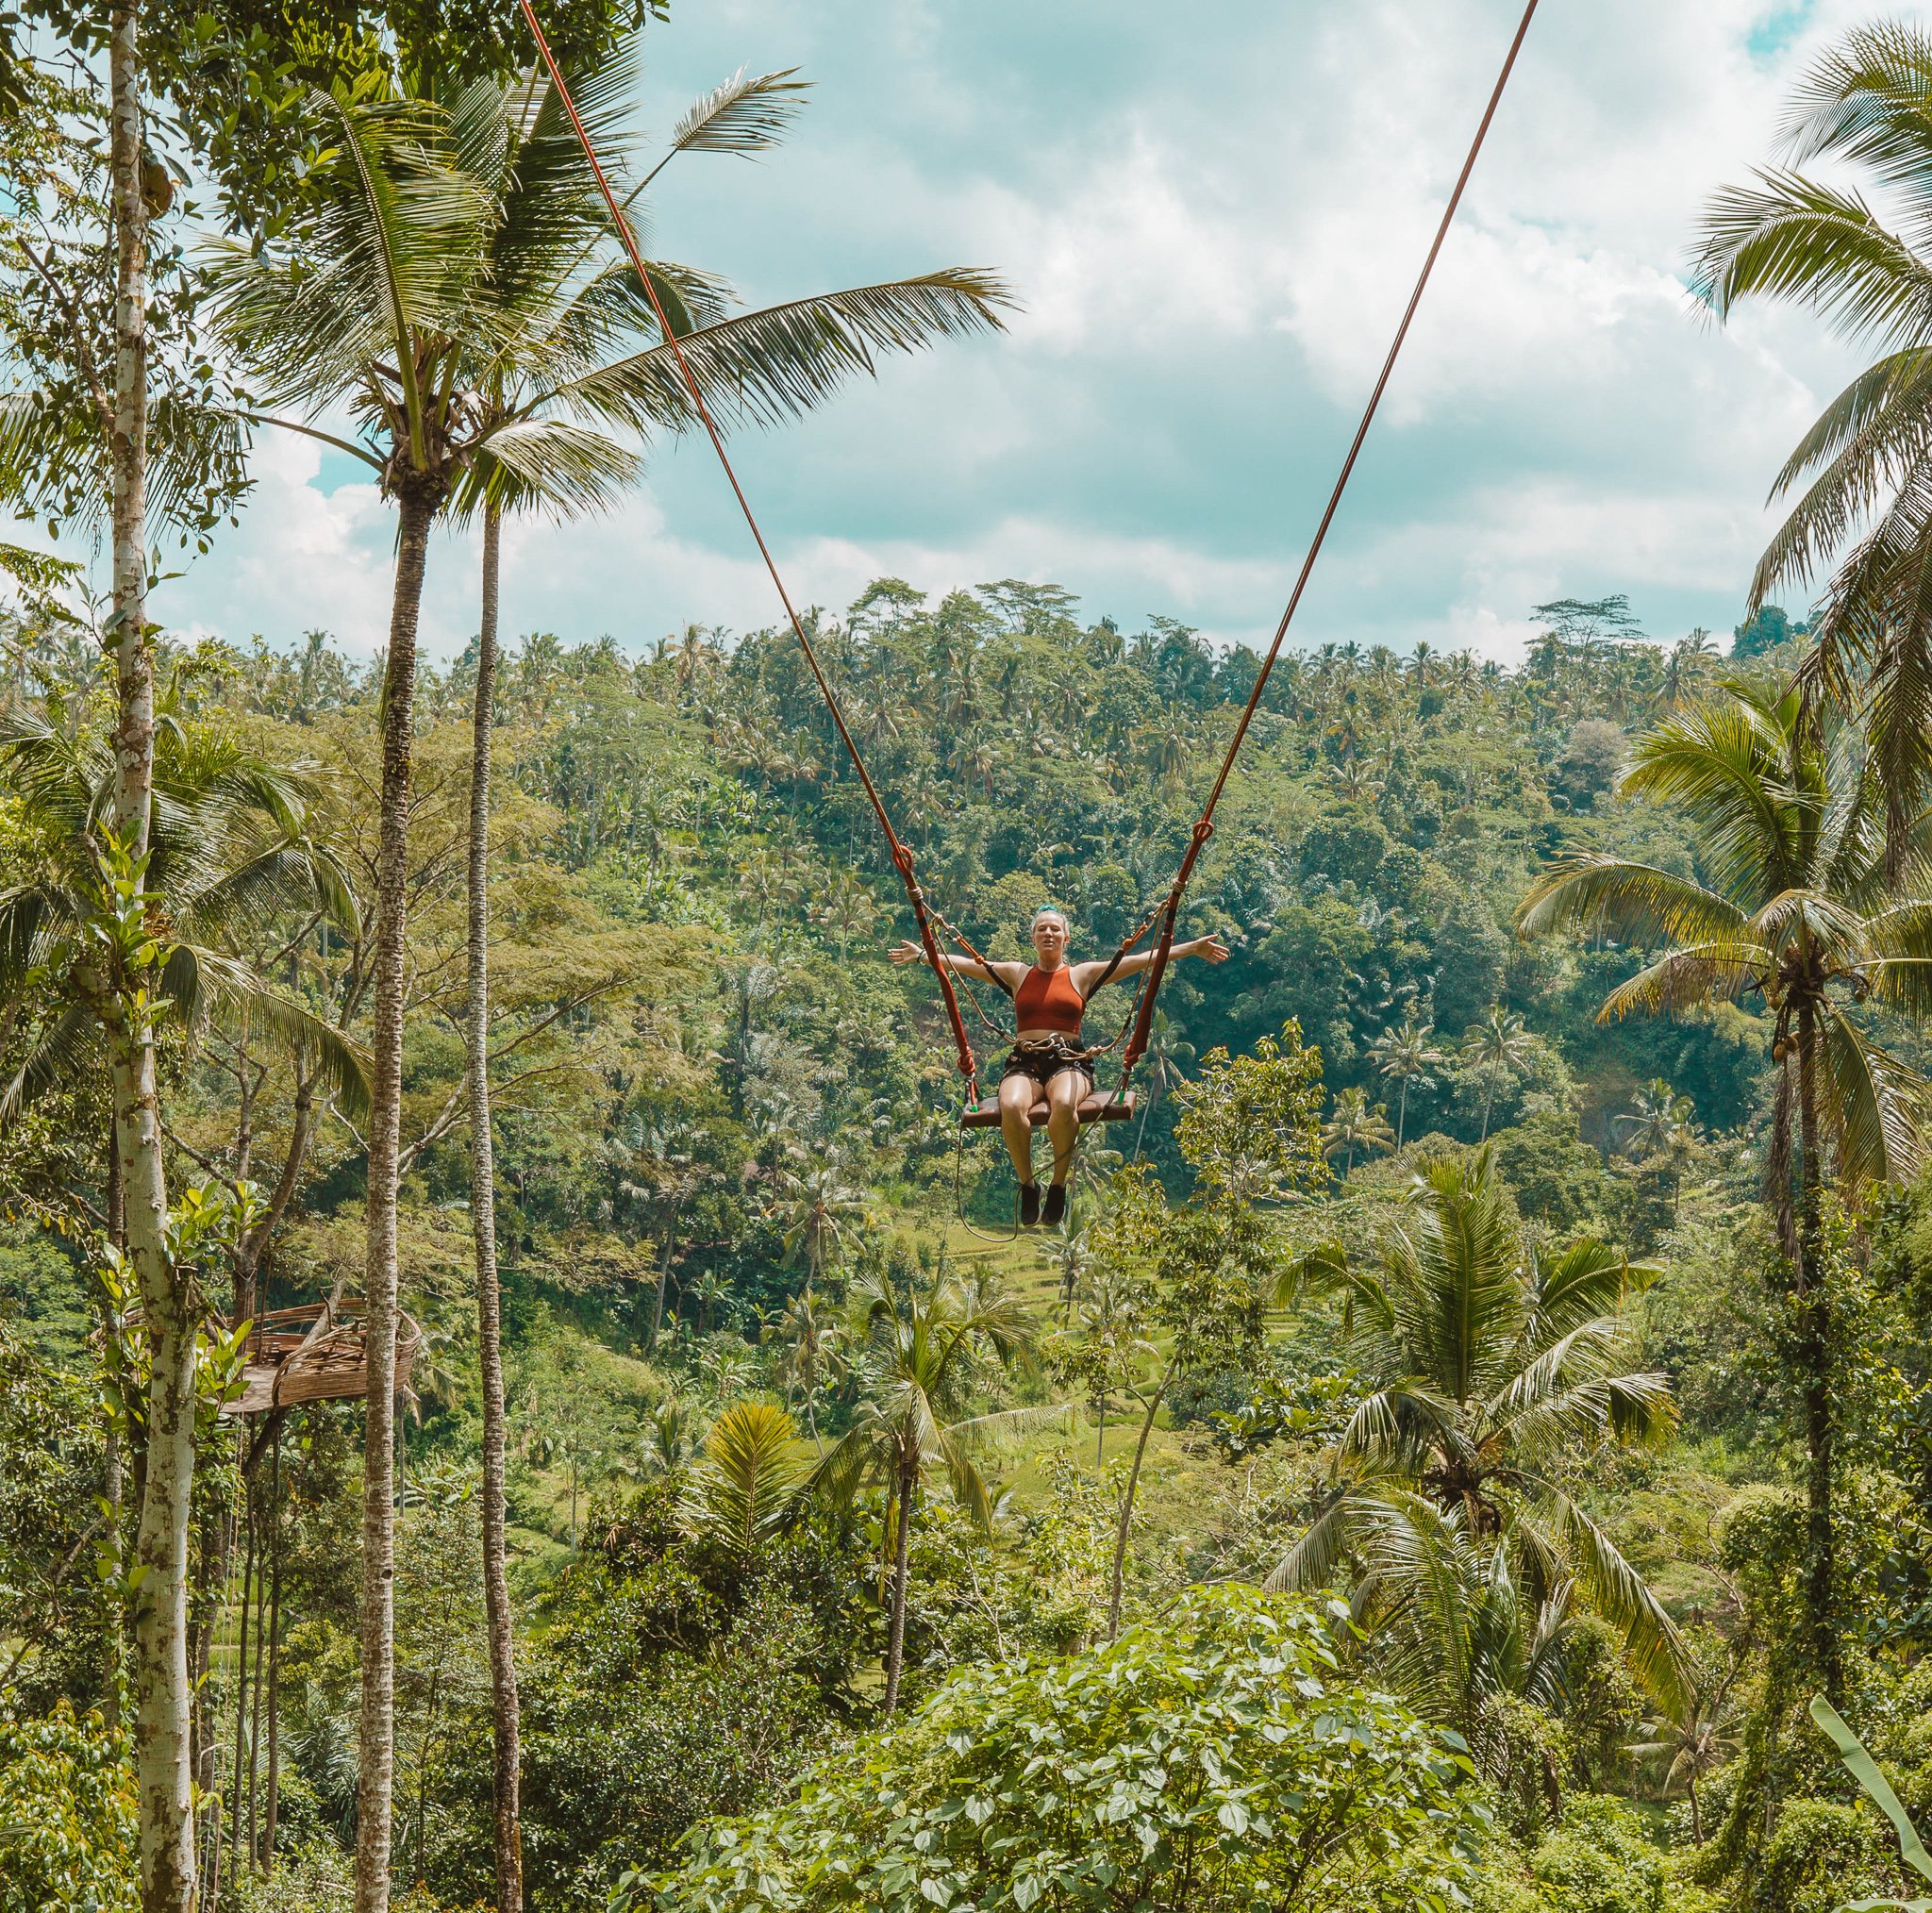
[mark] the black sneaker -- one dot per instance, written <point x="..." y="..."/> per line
<point x="1055" y="1211"/>
<point x="1029" y="1205"/>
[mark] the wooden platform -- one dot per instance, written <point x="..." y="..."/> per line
<point x="1109" y="1105"/>
<point x="316" y="1353"/>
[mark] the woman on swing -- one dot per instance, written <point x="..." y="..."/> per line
<point x="1049" y="1001"/>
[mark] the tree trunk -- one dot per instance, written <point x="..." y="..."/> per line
<point x="163" y="1697"/>
<point x="1696" y="1813"/>
<point x="244" y="1754"/>
<point x="275" y="1665"/>
<point x="1120" y="1540"/>
<point x="1402" y="1114"/>
<point x="895" y="1646"/>
<point x="657" y="1306"/>
<point x="1814" y="1345"/>
<point x="113" y="1471"/>
<point x="503" y="1672"/>
<point x="375" y="1738"/>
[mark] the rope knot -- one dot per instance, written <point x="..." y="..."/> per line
<point x="1204" y="831"/>
<point x="902" y="859"/>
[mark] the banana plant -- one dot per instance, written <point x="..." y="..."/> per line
<point x="1869" y="1776"/>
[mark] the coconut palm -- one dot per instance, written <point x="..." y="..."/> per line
<point x="1470" y="1637"/>
<point x="230" y="854"/>
<point x="1406" y="1055"/>
<point x="1862" y="475"/>
<point x="1657" y="1113"/>
<point x="821" y="1213"/>
<point x="922" y="1357"/>
<point x="1787" y="816"/>
<point x="1694" y="1739"/>
<point x="1499" y="1044"/>
<point x="1491" y="1370"/>
<point x="1166" y="1064"/>
<point x="812" y="1341"/>
<point x="391" y="297"/>
<point x="1355" y="1124"/>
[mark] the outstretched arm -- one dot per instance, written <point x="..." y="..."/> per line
<point x="1209" y="948"/>
<point x="959" y="966"/>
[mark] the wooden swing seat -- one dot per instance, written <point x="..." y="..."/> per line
<point x="1109" y="1105"/>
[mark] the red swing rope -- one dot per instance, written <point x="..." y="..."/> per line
<point x="1204" y="829"/>
<point x="902" y="854"/>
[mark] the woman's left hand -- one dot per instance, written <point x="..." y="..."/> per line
<point x="1212" y="948"/>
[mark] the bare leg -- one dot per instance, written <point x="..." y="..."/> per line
<point x="1017" y="1094"/>
<point x="1063" y="1096"/>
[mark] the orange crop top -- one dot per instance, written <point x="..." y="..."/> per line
<point x="1046" y="999"/>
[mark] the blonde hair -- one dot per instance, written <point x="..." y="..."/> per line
<point x="1050" y="910"/>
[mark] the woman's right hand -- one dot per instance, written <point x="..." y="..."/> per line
<point x="908" y="952"/>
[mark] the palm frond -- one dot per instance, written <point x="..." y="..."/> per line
<point x="1659" y="1654"/>
<point x="1877" y="1107"/>
<point x="548" y="465"/>
<point x="774" y="364"/>
<point x="67" y="1049"/>
<point x="1686" y="979"/>
<point x="742" y="115"/>
<point x="204" y="984"/>
<point x="1595" y="894"/>
<point x="748" y="1485"/>
<point x="1800" y="238"/>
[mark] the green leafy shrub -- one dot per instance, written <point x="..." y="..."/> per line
<point x="1823" y="1852"/>
<point x="67" y="1829"/>
<point x="1599" y="1861"/>
<point x="1214" y="1762"/>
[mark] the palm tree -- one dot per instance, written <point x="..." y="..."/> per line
<point x="1167" y="1059"/>
<point x="1787" y="816"/>
<point x="388" y="297"/>
<point x="1657" y="1113"/>
<point x="1353" y="1124"/>
<point x="1695" y="1738"/>
<point x="822" y="1212"/>
<point x="1499" y="1044"/>
<point x="812" y="1339"/>
<point x="922" y="1356"/>
<point x="1406" y="1055"/>
<point x="1472" y="1636"/>
<point x="1492" y="1368"/>
<point x="1865" y="466"/>
<point x="229" y="853"/>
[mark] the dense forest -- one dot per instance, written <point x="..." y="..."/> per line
<point x="518" y="1389"/>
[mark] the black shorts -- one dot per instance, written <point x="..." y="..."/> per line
<point x="1045" y="1058"/>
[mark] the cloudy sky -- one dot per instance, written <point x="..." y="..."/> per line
<point x="1211" y="213"/>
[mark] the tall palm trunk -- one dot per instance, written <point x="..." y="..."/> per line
<point x="1127" y="1495"/>
<point x="1402" y="1114"/>
<point x="1814" y="1356"/>
<point x="895" y="1646"/>
<point x="503" y="1672"/>
<point x="162" y="1696"/>
<point x="418" y="500"/>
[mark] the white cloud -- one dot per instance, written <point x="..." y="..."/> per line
<point x="1213" y="221"/>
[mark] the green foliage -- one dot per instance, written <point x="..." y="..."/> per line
<point x="1599" y="1860"/>
<point x="67" y="1831"/>
<point x="1486" y="1374"/>
<point x="1216" y="1761"/>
